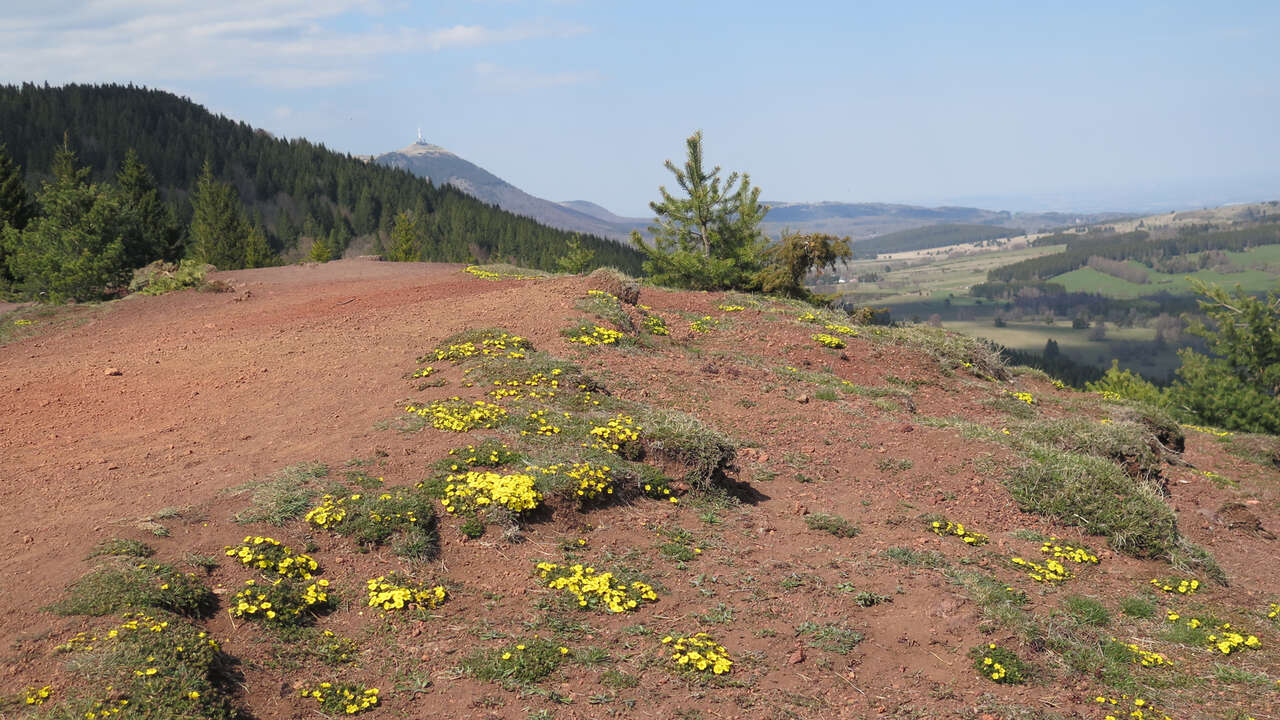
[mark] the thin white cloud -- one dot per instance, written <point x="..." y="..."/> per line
<point x="270" y="43"/>
<point x="507" y="78"/>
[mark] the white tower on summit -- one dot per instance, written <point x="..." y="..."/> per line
<point x="420" y="140"/>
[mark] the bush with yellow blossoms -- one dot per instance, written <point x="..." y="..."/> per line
<point x="1069" y="553"/>
<point x="1126" y="708"/>
<point x="597" y="590"/>
<point x="393" y="592"/>
<point x="619" y="435"/>
<point x="594" y="335"/>
<point x="342" y="698"/>
<point x="946" y="528"/>
<point x="371" y="518"/>
<point x="1179" y="586"/>
<point x="281" y="603"/>
<point x="999" y="665"/>
<point x="484" y="344"/>
<point x="474" y="491"/>
<point x="828" y="340"/>
<point x="458" y="415"/>
<point x="273" y="557"/>
<point x="698" y="654"/>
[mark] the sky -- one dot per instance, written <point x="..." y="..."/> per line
<point x="1021" y="105"/>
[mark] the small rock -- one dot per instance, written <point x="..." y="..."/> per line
<point x="796" y="657"/>
<point x="803" y="399"/>
<point x="800" y="509"/>
<point x="27" y="539"/>
<point x="112" y="372"/>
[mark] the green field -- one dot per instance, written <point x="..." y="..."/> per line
<point x="929" y="277"/>
<point x="1259" y="271"/>
<point x="1134" y="347"/>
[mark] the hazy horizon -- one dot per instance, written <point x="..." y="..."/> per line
<point x="1147" y="108"/>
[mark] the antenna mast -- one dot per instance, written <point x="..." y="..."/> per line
<point x="420" y="134"/>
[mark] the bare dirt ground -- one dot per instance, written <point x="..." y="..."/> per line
<point x="157" y="406"/>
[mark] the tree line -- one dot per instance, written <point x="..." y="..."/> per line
<point x="1137" y="245"/>
<point x="283" y="192"/>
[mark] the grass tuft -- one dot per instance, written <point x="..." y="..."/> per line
<point x="284" y="496"/>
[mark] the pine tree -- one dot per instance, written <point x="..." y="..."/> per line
<point x="149" y="231"/>
<point x="405" y="239"/>
<point x="15" y="204"/>
<point x="74" y="250"/>
<point x="257" y="251"/>
<point x="218" y="224"/>
<point x="15" y="209"/>
<point x="710" y="237"/>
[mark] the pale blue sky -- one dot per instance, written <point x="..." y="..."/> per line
<point x="1008" y="105"/>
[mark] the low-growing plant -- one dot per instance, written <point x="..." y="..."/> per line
<point x="126" y="584"/>
<point x="999" y="665"/>
<point x="597" y="590"/>
<point x="282" y="497"/>
<point x="282" y="602"/>
<point x="698" y="654"/>
<point x="914" y="558"/>
<point x="1087" y="610"/>
<point x="273" y="557"/>
<point x="945" y="528"/>
<point x="521" y="663"/>
<point x="149" y="666"/>
<point x="373" y="518"/>
<point x="458" y="415"/>
<point x="122" y="547"/>
<point x="832" y="637"/>
<point x="342" y="698"/>
<point x="392" y="592"/>
<point x="1139" y="606"/>
<point x="833" y="524"/>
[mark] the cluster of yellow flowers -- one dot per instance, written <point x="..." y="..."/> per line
<point x="489" y="453"/>
<point x="808" y="316"/>
<point x="424" y="372"/>
<point x="656" y="325"/>
<point x="731" y="308"/>
<point x="1185" y="586"/>
<point x="102" y="709"/>
<point x="133" y="622"/>
<point x="593" y="480"/>
<point x="658" y="492"/>
<point x="280" y="601"/>
<point x="1225" y="640"/>
<point x="699" y="653"/>
<point x="1145" y="657"/>
<point x="1209" y="431"/>
<point x="596" y="335"/>
<point x="947" y="527"/>
<point x="1000" y="665"/>
<point x="384" y="508"/>
<point x="1070" y="553"/>
<point x="998" y="671"/>
<point x="1051" y="572"/>
<point x="496" y="345"/>
<point x="593" y="589"/>
<point x="841" y="329"/>
<point x="1273" y="611"/>
<point x="536" y="423"/>
<point x="390" y="592"/>
<point x="37" y="696"/>
<point x="266" y="553"/>
<point x="704" y="324"/>
<point x="830" y="341"/>
<point x="1024" y="397"/>
<point x="1142" y="710"/>
<point x="23" y="322"/>
<point x="458" y="415"/>
<point x="616" y="433"/>
<point x="344" y="698"/>
<point x="537" y="385"/>
<point x="474" y="491"/>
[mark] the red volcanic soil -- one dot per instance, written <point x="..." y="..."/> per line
<point x="151" y="409"/>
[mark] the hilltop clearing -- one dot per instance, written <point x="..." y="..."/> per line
<point x="513" y="497"/>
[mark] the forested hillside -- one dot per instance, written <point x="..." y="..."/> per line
<point x="294" y="191"/>
<point x="932" y="236"/>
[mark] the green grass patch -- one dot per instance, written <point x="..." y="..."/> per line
<point x="833" y="524"/>
<point x="832" y="637"/>
<point x="121" y="584"/>
<point x="282" y="497"/>
<point x="1141" y="606"/>
<point x="521" y="663"/>
<point x="1087" y="610"/>
<point x="122" y="547"/>
<point x="914" y="558"/>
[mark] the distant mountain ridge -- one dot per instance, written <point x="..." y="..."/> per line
<point x="442" y="167"/>
<point x="857" y="220"/>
